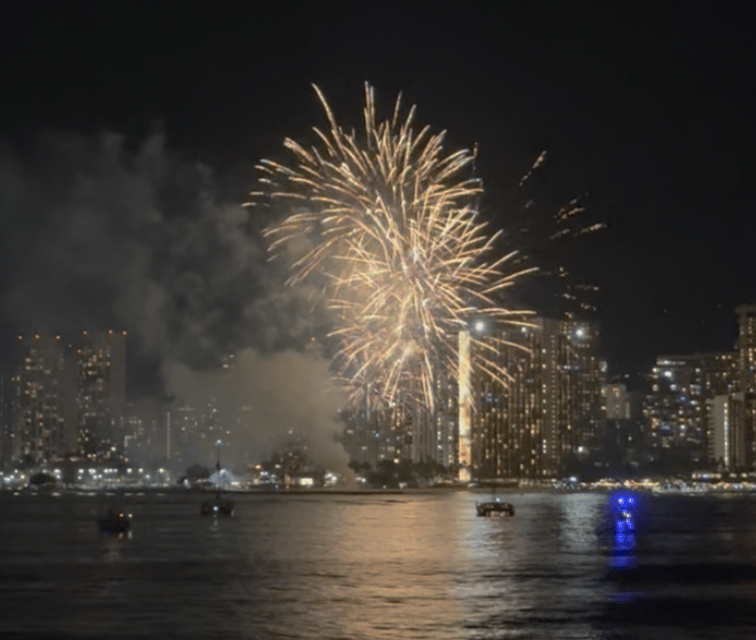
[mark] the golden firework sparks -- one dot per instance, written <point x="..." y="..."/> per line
<point x="391" y="221"/>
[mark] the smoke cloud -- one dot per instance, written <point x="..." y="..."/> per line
<point x="276" y="397"/>
<point x="99" y="233"/>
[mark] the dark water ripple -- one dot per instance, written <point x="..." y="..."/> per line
<point x="417" y="566"/>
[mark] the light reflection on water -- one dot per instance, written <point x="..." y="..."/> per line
<point x="418" y="565"/>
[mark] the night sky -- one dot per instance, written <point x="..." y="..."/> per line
<point x="650" y="113"/>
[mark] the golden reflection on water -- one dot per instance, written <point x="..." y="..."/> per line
<point x="114" y="546"/>
<point x="387" y="567"/>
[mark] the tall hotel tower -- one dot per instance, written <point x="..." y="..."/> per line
<point x="553" y="405"/>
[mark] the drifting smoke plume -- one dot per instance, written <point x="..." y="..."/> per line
<point x="282" y="394"/>
<point x="98" y="235"/>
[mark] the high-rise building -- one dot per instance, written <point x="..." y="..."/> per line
<point x="620" y="442"/>
<point x="747" y="348"/>
<point x="680" y="409"/>
<point x="676" y="408"/>
<point x="747" y="376"/>
<point x="136" y="440"/>
<point x="616" y="401"/>
<point x="720" y="372"/>
<point x="728" y="431"/>
<point x="730" y="382"/>
<point x="7" y="374"/>
<point x="145" y="432"/>
<point x="184" y="424"/>
<point x="434" y="432"/>
<point x="720" y="378"/>
<point x="445" y="428"/>
<point x="101" y="364"/>
<point x="552" y="408"/>
<point x="42" y="406"/>
<point x="65" y="399"/>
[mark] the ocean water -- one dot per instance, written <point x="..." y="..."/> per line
<point x="414" y="565"/>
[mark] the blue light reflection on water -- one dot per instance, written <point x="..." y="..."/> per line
<point x="620" y="523"/>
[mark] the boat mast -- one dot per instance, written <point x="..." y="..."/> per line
<point x="218" y="466"/>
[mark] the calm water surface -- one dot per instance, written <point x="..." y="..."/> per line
<point x="417" y="565"/>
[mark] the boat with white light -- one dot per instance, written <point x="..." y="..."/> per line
<point x="218" y="506"/>
<point x="494" y="508"/>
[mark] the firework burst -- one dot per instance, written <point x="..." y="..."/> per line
<point x="389" y="225"/>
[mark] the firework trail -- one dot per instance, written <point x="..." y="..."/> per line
<point x="390" y="225"/>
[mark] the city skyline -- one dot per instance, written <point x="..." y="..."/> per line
<point x="124" y="168"/>
<point x="561" y="412"/>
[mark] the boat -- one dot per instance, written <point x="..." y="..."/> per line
<point x="494" y="508"/>
<point x="619" y="520"/>
<point x="115" y="522"/>
<point x="218" y="506"/>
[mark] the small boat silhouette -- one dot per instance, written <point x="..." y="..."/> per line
<point x="115" y="522"/>
<point x="219" y="506"/>
<point x="493" y="508"/>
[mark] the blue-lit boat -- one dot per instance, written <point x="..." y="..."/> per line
<point x="620" y="520"/>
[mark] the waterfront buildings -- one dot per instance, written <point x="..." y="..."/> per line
<point x="700" y="409"/>
<point x="68" y="397"/>
<point x="61" y="398"/>
<point x="704" y="405"/>
<point x="550" y="411"/>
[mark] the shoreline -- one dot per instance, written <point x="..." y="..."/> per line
<point x="344" y="491"/>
